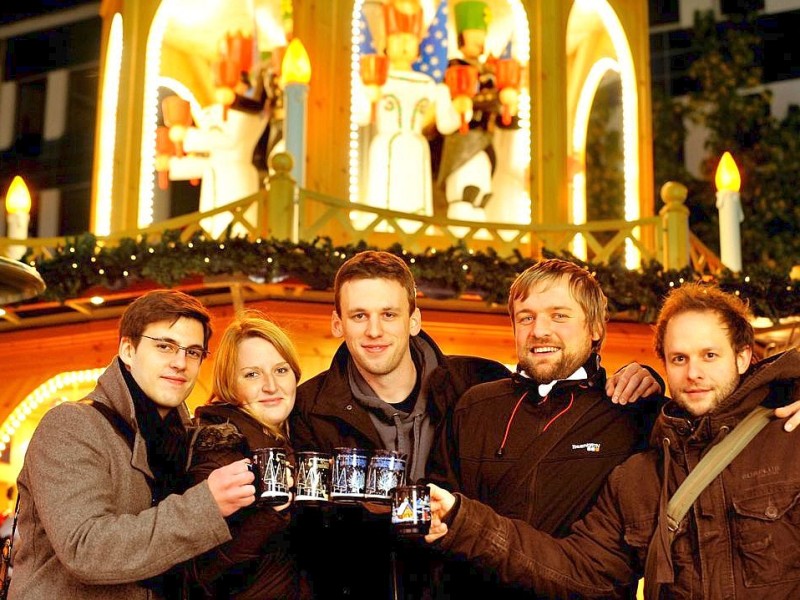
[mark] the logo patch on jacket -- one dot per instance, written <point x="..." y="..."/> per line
<point x="588" y="446"/>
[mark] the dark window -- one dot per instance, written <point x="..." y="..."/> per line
<point x="17" y="10"/>
<point x="75" y="209"/>
<point x="740" y="7"/>
<point x="62" y="47"/>
<point x="781" y="52"/>
<point x="663" y="12"/>
<point x="30" y="117"/>
<point x="82" y="101"/>
<point x="671" y="53"/>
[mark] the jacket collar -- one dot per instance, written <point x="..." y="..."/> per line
<point x="248" y="426"/>
<point x="334" y="396"/>
<point x="595" y="379"/>
<point x="112" y="390"/>
<point x="227" y="413"/>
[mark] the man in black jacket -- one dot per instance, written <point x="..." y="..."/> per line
<point x="539" y="445"/>
<point x="389" y="387"/>
<point x="738" y="536"/>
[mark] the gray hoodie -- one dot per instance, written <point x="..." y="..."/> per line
<point x="409" y="433"/>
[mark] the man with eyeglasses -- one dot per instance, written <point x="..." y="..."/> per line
<point x="103" y="510"/>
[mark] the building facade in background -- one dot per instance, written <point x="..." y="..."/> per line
<point x="49" y="76"/>
<point x="672" y="50"/>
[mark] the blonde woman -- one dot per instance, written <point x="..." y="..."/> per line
<point x="256" y="371"/>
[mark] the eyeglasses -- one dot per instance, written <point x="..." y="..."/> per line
<point x="166" y="347"/>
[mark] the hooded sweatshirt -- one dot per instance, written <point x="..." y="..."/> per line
<point x="409" y="433"/>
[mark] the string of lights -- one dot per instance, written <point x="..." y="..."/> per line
<point x="84" y="268"/>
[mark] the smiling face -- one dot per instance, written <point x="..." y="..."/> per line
<point x="702" y="366"/>
<point x="166" y="378"/>
<point x="376" y="325"/>
<point x="265" y="384"/>
<point x="552" y="336"/>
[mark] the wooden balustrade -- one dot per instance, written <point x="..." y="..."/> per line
<point x="286" y="212"/>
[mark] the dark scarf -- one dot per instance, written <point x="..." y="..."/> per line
<point x="165" y="440"/>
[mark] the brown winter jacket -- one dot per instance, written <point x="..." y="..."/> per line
<point x="739" y="540"/>
<point x="256" y="563"/>
<point x="86" y="525"/>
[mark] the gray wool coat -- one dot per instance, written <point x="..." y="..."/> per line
<point x="86" y="525"/>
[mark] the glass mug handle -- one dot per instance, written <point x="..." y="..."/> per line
<point x="259" y="485"/>
<point x="288" y="470"/>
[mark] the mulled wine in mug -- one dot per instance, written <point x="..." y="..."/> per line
<point x="313" y="477"/>
<point x="272" y="479"/>
<point x="349" y="477"/>
<point x="411" y="510"/>
<point x="386" y="471"/>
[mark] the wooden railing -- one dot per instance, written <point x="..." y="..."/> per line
<point x="416" y="233"/>
<point x="287" y="212"/>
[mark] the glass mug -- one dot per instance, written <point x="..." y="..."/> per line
<point x="271" y="471"/>
<point x="313" y="476"/>
<point x="349" y="477"/>
<point x="387" y="470"/>
<point x="411" y="510"/>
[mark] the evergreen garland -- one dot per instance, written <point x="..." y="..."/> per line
<point x="83" y="267"/>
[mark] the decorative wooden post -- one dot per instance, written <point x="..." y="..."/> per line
<point x="281" y="217"/>
<point x="675" y="224"/>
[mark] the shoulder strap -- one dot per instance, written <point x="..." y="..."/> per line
<point x="713" y="463"/>
<point x="115" y="419"/>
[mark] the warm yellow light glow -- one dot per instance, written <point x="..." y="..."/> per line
<point x="727" y="178"/>
<point x="579" y="246"/>
<point x="583" y="110"/>
<point x="521" y="36"/>
<point x="46" y="392"/>
<point x="355" y="89"/>
<point x="18" y="198"/>
<point x="296" y="66"/>
<point x="147" y="176"/>
<point x="518" y="206"/>
<point x="108" y="128"/>
<point x="586" y="99"/>
<point x="630" y="118"/>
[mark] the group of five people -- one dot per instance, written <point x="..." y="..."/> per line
<point x="122" y="497"/>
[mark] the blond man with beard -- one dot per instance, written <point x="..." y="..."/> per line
<point x="538" y="446"/>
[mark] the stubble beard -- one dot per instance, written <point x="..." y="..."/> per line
<point x="565" y="367"/>
<point x="718" y="402"/>
<point x="545" y="373"/>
